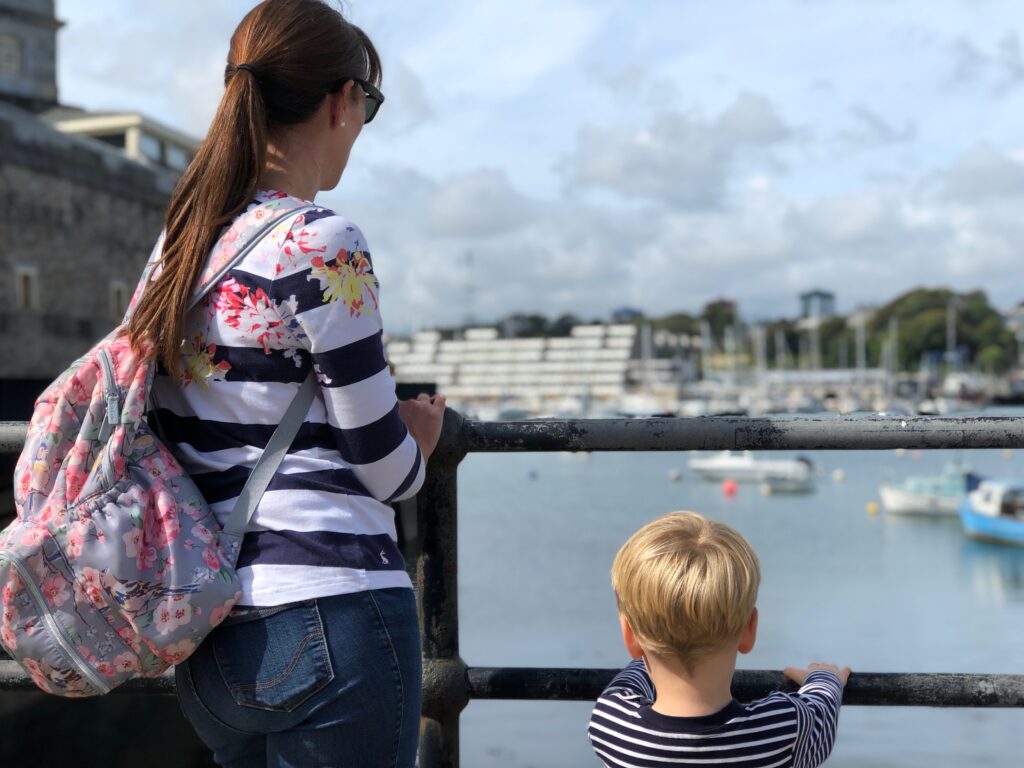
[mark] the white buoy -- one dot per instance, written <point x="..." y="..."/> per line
<point x="766" y="489"/>
<point x="900" y="453"/>
<point x="675" y="475"/>
<point x="838" y="475"/>
<point x="1007" y="453"/>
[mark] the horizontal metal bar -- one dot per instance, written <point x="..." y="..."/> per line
<point x="12" y="436"/>
<point x="864" y="688"/>
<point x="805" y="433"/>
<point x="886" y="689"/>
<point x="711" y="433"/>
<point x="13" y="678"/>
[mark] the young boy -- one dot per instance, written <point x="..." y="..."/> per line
<point x="686" y="589"/>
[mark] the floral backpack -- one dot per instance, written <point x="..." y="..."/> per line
<point x="115" y="565"/>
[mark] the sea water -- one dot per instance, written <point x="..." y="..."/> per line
<point x="537" y="534"/>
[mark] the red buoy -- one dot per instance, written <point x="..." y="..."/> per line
<point x="729" y="488"/>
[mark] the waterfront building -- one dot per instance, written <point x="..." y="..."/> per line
<point x="817" y="304"/>
<point x="142" y="139"/>
<point x="82" y="199"/>
<point x="80" y="210"/>
<point x="596" y="368"/>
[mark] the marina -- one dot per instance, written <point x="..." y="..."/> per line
<point x="880" y="592"/>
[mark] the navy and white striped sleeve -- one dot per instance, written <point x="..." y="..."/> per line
<point x="326" y="281"/>
<point x="634" y="679"/>
<point x="817" y="705"/>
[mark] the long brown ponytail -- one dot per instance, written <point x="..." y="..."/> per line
<point x="292" y="54"/>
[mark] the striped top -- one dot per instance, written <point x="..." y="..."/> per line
<point x="780" y="730"/>
<point x="305" y="297"/>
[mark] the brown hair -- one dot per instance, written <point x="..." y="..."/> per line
<point x="687" y="585"/>
<point x="285" y="57"/>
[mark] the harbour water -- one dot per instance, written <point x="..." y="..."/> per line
<point x="538" y="533"/>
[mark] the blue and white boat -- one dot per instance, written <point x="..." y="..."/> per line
<point x="937" y="495"/>
<point x="995" y="512"/>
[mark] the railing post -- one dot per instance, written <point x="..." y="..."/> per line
<point x="445" y="689"/>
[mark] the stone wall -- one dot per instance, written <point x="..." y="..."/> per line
<point x="84" y="216"/>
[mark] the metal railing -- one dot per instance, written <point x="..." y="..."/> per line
<point x="449" y="685"/>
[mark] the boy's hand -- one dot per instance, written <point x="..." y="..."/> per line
<point x="798" y="676"/>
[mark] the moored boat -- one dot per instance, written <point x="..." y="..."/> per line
<point x="995" y="512"/>
<point x="780" y="475"/>
<point x="938" y="495"/>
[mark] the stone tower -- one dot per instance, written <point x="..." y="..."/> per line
<point x="28" y="53"/>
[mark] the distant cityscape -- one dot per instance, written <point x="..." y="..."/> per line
<point x="925" y="351"/>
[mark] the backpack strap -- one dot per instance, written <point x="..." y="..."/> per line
<point x="247" y="231"/>
<point x="236" y="242"/>
<point x="266" y="468"/>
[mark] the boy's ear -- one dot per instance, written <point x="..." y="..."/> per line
<point x="632" y="645"/>
<point x="749" y="636"/>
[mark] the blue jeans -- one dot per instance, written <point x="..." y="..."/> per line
<point x="327" y="682"/>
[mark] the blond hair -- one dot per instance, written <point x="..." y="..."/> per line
<point x="687" y="585"/>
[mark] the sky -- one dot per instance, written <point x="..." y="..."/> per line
<point x="581" y="156"/>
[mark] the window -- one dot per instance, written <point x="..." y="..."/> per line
<point x="150" y="147"/>
<point x="26" y="288"/>
<point x="113" y="139"/>
<point x="10" y="56"/>
<point x="119" y="298"/>
<point x="177" y="158"/>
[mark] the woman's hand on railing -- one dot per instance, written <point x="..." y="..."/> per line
<point x="423" y="418"/>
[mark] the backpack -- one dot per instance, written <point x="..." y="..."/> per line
<point x="115" y="565"/>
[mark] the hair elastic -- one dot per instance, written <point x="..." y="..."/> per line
<point x="248" y="68"/>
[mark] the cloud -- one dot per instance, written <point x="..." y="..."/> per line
<point x="871" y="131"/>
<point x="407" y="106"/>
<point x="1001" y="68"/>
<point x="489" y="52"/>
<point x="107" y="53"/>
<point x="983" y="173"/>
<point x="478" y="204"/>
<point x="680" y="159"/>
<point x="959" y="226"/>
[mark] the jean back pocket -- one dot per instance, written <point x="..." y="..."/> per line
<point x="276" y="662"/>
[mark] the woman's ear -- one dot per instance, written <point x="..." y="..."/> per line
<point x="749" y="636"/>
<point x="632" y="644"/>
<point x="339" y="102"/>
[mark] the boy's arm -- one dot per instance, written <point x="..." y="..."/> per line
<point x="817" y="706"/>
<point x="634" y="679"/>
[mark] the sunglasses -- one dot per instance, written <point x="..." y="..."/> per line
<point x="374" y="98"/>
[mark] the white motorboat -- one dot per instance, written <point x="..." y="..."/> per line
<point x="938" y="495"/>
<point x="776" y="475"/>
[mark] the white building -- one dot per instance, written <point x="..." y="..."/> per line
<point x="594" y="368"/>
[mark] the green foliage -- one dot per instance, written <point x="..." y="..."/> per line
<point x="524" y="326"/>
<point x="919" y="316"/>
<point x="678" y="322"/>
<point x="720" y="314"/>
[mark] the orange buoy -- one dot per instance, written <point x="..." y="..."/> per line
<point x="729" y="488"/>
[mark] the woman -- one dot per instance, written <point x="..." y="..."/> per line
<point x="320" y="662"/>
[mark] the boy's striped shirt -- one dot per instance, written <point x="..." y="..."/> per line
<point x="305" y="298"/>
<point x="778" y="731"/>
